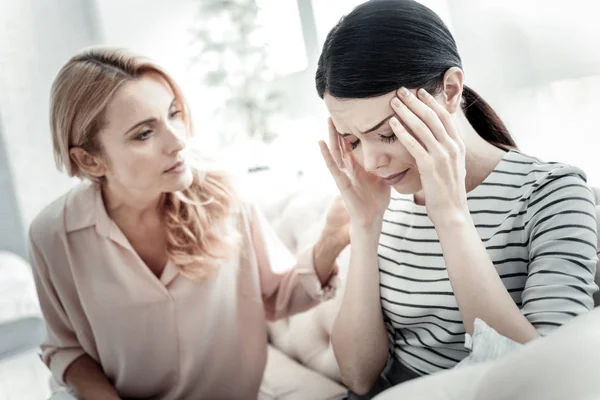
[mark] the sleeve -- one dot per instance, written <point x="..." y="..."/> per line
<point x="61" y="346"/>
<point x="562" y="237"/>
<point x="288" y="285"/>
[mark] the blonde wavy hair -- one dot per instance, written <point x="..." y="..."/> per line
<point x="194" y="218"/>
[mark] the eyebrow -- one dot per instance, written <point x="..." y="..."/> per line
<point x="379" y="125"/>
<point x="148" y="120"/>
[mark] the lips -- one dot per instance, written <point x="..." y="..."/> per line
<point x="174" y="166"/>
<point x="396" y="178"/>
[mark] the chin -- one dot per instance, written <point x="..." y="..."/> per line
<point x="180" y="182"/>
<point x="409" y="185"/>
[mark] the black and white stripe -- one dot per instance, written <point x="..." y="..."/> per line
<point x="537" y="221"/>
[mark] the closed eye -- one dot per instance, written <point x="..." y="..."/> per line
<point x="384" y="138"/>
<point x="354" y="144"/>
<point x="388" y="139"/>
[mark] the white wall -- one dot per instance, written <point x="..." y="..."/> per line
<point x="537" y="63"/>
<point x="12" y="236"/>
<point x="37" y="37"/>
<point x="162" y="30"/>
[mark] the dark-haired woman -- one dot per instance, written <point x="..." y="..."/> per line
<point x="474" y="233"/>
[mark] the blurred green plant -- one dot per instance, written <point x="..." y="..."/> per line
<point x="231" y="52"/>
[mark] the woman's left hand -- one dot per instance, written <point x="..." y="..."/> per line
<point x="426" y="130"/>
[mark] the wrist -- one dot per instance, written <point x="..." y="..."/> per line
<point x="325" y="252"/>
<point x="366" y="235"/>
<point x="370" y="227"/>
<point x="451" y="221"/>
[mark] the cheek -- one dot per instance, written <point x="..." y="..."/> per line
<point x="357" y="154"/>
<point x="395" y="152"/>
<point x="401" y="155"/>
<point x="133" y="163"/>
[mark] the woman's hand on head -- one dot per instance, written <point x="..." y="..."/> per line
<point x="426" y="130"/>
<point x="365" y="195"/>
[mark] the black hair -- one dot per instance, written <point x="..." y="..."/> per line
<point x="383" y="45"/>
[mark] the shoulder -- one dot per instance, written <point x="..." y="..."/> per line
<point x="556" y="196"/>
<point x="556" y="180"/>
<point x="516" y="163"/>
<point x="547" y="179"/>
<point x="70" y="211"/>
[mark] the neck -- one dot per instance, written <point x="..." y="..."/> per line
<point x="481" y="156"/>
<point x="130" y="207"/>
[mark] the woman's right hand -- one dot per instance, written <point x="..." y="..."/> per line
<point x="365" y="195"/>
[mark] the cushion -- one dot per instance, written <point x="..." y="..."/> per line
<point x="286" y="379"/>
<point x="306" y="337"/>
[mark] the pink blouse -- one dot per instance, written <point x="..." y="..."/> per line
<point x="167" y="337"/>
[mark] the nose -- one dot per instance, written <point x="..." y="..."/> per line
<point x="373" y="159"/>
<point x="176" y="139"/>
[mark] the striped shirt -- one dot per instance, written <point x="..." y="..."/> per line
<point x="537" y="222"/>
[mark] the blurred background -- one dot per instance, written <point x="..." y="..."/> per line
<point x="247" y="68"/>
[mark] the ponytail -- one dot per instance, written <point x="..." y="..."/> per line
<point x="485" y="121"/>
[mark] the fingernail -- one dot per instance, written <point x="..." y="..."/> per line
<point x="404" y="92"/>
<point x="396" y="102"/>
<point x="394" y="121"/>
<point x="423" y="93"/>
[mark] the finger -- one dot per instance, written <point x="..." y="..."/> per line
<point x="344" y="153"/>
<point x="412" y="112"/>
<point x="334" y="143"/>
<point x="348" y="157"/>
<point x="416" y="149"/>
<point x="448" y="127"/>
<point x="341" y="179"/>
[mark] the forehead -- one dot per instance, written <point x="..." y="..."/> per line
<point x="358" y="115"/>
<point x="145" y="97"/>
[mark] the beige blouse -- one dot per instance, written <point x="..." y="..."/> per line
<point x="167" y="338"/>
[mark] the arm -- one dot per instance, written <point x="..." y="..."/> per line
<point x="359" y="337"/>
<point x="469" y="269"/>
<point x="61" y="351"/>
<point x="562" y="252"/>
<point x="334" y="238"/>
<point x="304" y="285"/>
<point x="89" y="381"/>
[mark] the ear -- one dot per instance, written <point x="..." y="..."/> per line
<point x="87" y="163"/>
<point x="453" y="87"/>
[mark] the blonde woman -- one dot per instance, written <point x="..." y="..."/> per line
<point x="154" y="279"/>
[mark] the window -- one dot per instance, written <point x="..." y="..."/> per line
<point x="281" y="24"/>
